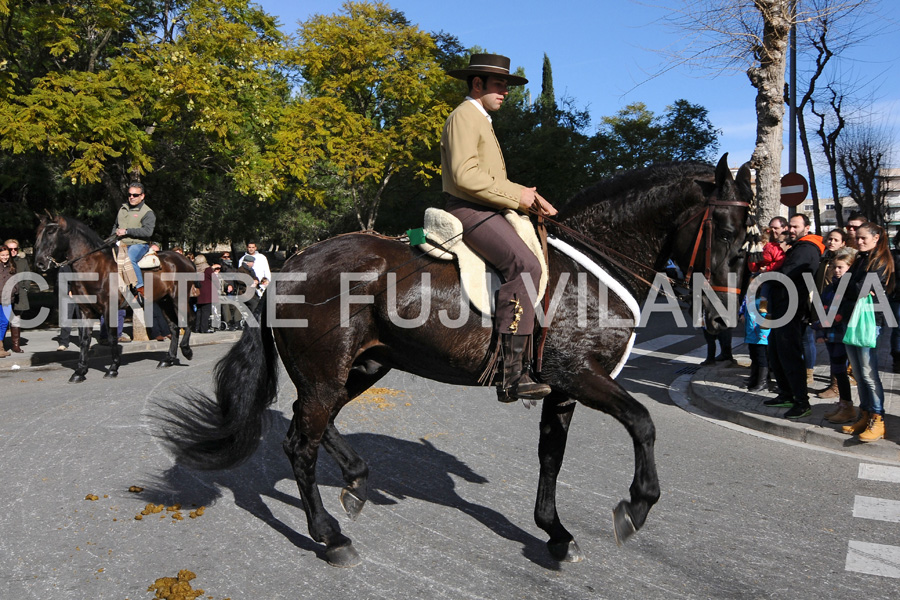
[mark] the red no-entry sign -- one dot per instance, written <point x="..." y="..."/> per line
<point x="793" y="189"/>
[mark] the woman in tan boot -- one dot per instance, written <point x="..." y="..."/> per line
<point x="874" y="257"/>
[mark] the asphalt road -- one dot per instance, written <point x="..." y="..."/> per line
<point x="453" y="479"/>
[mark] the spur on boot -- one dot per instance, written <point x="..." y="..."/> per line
<point x="517" y="382"/>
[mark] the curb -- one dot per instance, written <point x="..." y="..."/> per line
<point x="724" y="400"/>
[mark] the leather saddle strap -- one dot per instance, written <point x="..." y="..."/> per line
<point x="542" y="236"/>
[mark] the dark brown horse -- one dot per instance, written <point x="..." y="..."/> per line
<point x="353" y="332"/>
<point x="65" y="240"/>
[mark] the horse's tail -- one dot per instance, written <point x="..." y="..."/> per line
<point x="221" y="432"/>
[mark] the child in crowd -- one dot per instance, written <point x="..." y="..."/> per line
<point x="757" y="340"/>
<point x="843" y="411"/>
<point x="772" y="259"/>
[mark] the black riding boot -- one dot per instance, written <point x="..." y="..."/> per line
<point x="517" y="383"/>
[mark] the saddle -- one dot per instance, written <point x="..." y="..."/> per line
<point x="127" y="276"/>
<point x="479" y="281"/>
<point x="149" y="261"/>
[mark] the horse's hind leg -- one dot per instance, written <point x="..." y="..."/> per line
<point x="308" y="426"/>
<point x="363" y="375"/>
<point x="602" y="393"/>
<point x="353" y="467"/>
<point x="556" y="415"/>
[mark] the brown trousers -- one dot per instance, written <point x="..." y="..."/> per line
<point x="490" y="235"/>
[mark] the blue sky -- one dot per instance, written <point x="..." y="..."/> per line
<point x="602" y="55"/>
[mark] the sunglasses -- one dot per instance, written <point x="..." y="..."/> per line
<point x="134" y="195"/>
<point x="853" y="226"/>
<point x="11" y="248"/>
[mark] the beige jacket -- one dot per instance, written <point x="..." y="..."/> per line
<point x="472" y="166"/>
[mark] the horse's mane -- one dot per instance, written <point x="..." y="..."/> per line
<point x="634" y="196"/>
<point x="77" y="228"/>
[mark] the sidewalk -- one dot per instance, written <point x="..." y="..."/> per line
<point x="40" y="350"/>
<point x="722" y="392"/>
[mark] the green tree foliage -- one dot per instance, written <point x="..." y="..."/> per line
<point x="239" y="131"/>
<point x="635" y="137"/>
<point x="547" y="99"/>
<point x="103" y="101"/>
<point x="370" y="106"/>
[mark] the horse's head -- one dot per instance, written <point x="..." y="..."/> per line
<point x="711" y="241"/>
<point x="51" y="242"/>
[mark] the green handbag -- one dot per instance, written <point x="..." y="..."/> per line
<point x="861" y="330"/>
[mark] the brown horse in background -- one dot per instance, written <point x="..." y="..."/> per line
<point x="65" y="240"/>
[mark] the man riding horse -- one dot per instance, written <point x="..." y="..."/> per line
<point x="134" y="226"/>
<point x="477" y="190"/>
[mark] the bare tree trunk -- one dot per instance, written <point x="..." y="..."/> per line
<point x="829" y="146"/>
<point x="768" y="79"/>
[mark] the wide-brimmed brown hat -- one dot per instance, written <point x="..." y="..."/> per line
<point x="488" y="64"/>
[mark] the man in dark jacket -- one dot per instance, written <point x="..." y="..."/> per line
<point x="785" y="342"/>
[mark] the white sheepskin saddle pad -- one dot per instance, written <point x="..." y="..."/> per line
<point x="479" y="281"/>
<point x="149" y="261"/>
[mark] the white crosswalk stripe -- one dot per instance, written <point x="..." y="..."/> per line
<point x="865" y="557"/>
<point x="878" y="509"/>
<point x="879" y="473"/>
<point x="652" y="348"/>
<point x="873" y="559"/>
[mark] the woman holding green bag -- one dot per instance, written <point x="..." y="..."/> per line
<point x="874" y="257"/>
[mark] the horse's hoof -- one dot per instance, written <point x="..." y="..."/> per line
<point x="76" y="378"/>
<point x="111" y="375"/>
<point x="622" y="522"/>
<point x="187" y="352"/>
<point x="342" y="556"/>
<point x="351" y="503"/>
<point x="565" y="551"/>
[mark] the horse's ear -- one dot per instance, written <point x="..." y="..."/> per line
<point x="61" y="221"/>
<point x="743" y="178"/>
<point x="723" y="173"/>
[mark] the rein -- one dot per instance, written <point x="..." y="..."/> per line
<point x="107" y="243"/>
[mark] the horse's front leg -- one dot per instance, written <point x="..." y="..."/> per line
<point x="115" y="350"/>
<point x="556" y="415"/>
<point x="600" y="392"/>
<point x="84" y="344"/>
<point x="302" y="447"/>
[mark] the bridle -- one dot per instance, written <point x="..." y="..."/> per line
<point x="706" y="230"/>
<point x="107" y="243"/>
